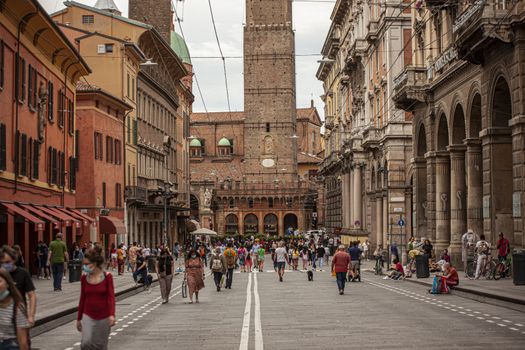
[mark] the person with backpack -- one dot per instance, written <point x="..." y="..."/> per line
<point x="218" y="267"/>
<point x="96" y="308"/>
<point x="164" y="268"/>
<point x="260" y="258"/>
<point x="483" y="251"/>
<point x="231" y="258"/>
<point x="14" y="326"/>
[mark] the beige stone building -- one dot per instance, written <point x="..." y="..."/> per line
<point x="368" y="139"/>
<point x="464" y="91"/>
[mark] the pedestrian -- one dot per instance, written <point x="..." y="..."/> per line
<point x="394" y="251"/>
<point x="76" y="253"/>
<point x="320" y="256"/>
<point x="133" y="256"/>
<point x="483" y="251"/>
<point x="96" y="308"/>
<point x="295" y="257"/>
<point x="218" y="267"/>
<point x="241" y="253"/>
<point x="120" y="259"/>
<point x="503" y="246"/>
<point x="305" y="258"/>
<point x="340" y="265"/>
<point x="164" y="269"/>
<point x="57" y="257"/>
<point x="451" y="275"/>
<point x="281" y="257"/>
<point x="366" y="250"/>
<point x="14" y="325"/>
<point x="313" y="255"/>
<point x="248" y="260"/>
<point x="141" y="269"/>
<point x="427" y="249"/>
<point x="355" y="255"/>
<point x="20" y="262"/>
<point x="43" y="268"/>
<point x="231" y="259"/>
<point x="255" y="254"/>
<point x="194" y="274"/>
<point x="468" y="247"/>
<point x="176" y="249"/>
<point x="260" y="258"/>
<point x="21" y="279"/>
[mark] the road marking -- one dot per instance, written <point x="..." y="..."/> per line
<point x="518" y="324"/>
<point x="490" y="321"/>
<point x="245" y="333"/>
<point x="76" y="344"/>
<point x="259" y="344"/>
<point x="514" y="329"/>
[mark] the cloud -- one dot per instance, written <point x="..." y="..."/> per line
<point x="311" y="22"/>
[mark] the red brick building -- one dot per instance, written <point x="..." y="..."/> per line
<point x="39" y="69"/>
<point x="101" y="173"/>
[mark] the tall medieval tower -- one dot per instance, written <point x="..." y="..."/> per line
<point x="158" y="13"/>
<point x="270" y="149"/>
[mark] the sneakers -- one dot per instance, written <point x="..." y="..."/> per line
<point x="280" y="278"/>
<point x="341" y="292"/>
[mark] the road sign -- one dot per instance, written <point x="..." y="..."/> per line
<point x="401" y="222"/>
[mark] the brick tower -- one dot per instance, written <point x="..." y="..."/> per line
<point x="158" y="13"/>
<point x="269" y="91"/>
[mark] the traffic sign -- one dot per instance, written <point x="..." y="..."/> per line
<point x="401" y="222"/>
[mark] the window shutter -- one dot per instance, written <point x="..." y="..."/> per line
<point x="36" y="159"/>
<point x="3" y="151"/>
<point x="50" y="165"/>
<point x="30" y="87"/>
<point x="23" y="79"/>
<point x="50" y="101"/>
<point x="62" y="169"/>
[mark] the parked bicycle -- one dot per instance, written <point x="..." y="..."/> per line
<point x="378" y="268"/>
<point x="486" y="271"/>
<point x="503" y="268"/>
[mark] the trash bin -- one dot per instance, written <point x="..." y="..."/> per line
<point x="75" y="270"/>
<point x="422" y="270"/>
<point x="518" y="268"/>
<point x="151" y="263"/>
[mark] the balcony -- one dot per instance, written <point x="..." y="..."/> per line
<point x="410" y="87"/>
<point x="480" y="25"/>
<point x="371" y="137"/>
<point x="329" y="123"/>
<point x="136" y="194"/>
<point x="373" y="31"/>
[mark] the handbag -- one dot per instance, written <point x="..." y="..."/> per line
<point x="184" y="289"/>
<point x="223" y="278"/>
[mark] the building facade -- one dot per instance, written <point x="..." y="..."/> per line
<point x="101" y="168"/>
<point x="368" y="139"/>
<point x="37" y="128"/>
<point x="463" y="89"/>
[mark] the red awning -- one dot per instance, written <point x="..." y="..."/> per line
<point x="39" y="224"/>
<point x="81" y="215"/>
<point x="74" y="215"/>
<point x="110" y="225"/>
<point x="41" y="214"/>
<point x="64" y="213"/>
<point x="66" y="220"/>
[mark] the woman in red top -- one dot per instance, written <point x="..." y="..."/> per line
<point x="96" y="309"/>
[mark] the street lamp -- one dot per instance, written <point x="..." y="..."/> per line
<point x="167" y="193"/>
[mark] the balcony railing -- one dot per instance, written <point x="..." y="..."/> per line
<point x="409" y="86"/>
<point x="136" y="194"/>
<point x="291" y="188"/>
<point x="371" y="35"/>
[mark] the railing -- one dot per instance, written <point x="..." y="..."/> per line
<point x="291" y="188"/>
<point x="136" y="193"/>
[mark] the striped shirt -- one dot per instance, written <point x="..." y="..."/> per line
<point x="7" y="328"/>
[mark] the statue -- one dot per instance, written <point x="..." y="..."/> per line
<point x="207" y="198"/>
<point x="42" y="100"/>
<point x="268" y="145"/>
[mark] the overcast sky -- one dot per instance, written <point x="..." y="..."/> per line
<point x="311" y="23"/>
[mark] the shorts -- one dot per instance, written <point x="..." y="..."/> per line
<point x="355" y="264"/>
<point x="281" y="265"/>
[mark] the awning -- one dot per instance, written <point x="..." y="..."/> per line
<point x="77" y="216"/>
<point x="39" y="224"/>
<point x="41" y="214"/>
<point x="192" y="225"/>
<point x="110" y="225"/>
<point x="81" y="215"/>
<point x="65" y="213"/>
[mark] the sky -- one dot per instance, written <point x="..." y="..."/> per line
<point x="311" y="24"/>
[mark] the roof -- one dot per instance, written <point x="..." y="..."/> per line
<point x="303" y="157"/>
<point x="179" y="46"/>
<point x="107" y="5"/>
<point x="224" y="142"/>
<point x="84" y="87"/>
<point x="309" y="113"/>
<point x="302" y="113"/>
<point x="195" y="143"/>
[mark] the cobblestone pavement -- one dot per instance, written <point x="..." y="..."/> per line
<point x="259" y="312"/>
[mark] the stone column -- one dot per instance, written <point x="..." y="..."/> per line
<point x="458" y="213"/>
<point x="386" y="224"/>
<point x="442" y="201"/>
<point x="420" y="190"/>
<point x="351" y="217"/>
<point x="358" y="199"/>
<point x="518" y="163"/>
<point x="474" y="186"/>
<point x="379" y="218"/>
<point x="345" y="208"/>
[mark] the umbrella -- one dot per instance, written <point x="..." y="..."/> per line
<point x="204" y="232"/>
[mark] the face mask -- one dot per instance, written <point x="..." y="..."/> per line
<point x="4" y="294"/>
<point x="193" y="256"/>
<point x="8" y="266"/>
<point x="86" y="269"/>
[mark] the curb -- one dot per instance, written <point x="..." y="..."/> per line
<point x="484" y="297"/>
<point x="50" y="322"/>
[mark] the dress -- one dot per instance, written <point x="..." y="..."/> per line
<point x="194" y="272"/>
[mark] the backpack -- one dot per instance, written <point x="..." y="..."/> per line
<point x="216" y="264"/>
<point x="230" y="258"/>
<point x="483" y="248"/>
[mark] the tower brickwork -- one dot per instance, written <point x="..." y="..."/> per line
<point x="157" y="13"/>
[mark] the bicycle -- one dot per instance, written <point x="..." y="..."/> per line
<point x="487" y="271"/>
<point x="378" y="269"/>
<point x="503" y="269"/>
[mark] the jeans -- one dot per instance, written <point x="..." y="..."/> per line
<point x="341" y="279"/>
<point x="217" y="278"/>
<point x="9" y="344"/>
<point x="58" y="273"/>
<point x="313" y="260"/>
<point x="320" y="262"/>
<point x="142" y="273"/>
<point x="229" y="278"/>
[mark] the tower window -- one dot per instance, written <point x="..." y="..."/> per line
<point x="267" y="127"/>
<point x="88" y="19"/>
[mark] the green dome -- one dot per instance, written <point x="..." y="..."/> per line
<point x="195" y="143"/>
<point x="225" y="142"/>
<point x="179" y="46"/>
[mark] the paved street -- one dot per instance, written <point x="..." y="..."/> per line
<point x="298" y="314"/>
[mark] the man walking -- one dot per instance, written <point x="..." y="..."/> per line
<point x="231" y="257"/>
<point x="355" y="254"/>
<point x="340" y="264"/>
<point x="218" y="267"/>
<point x="503" y="246"/>
<point x="57" y="257"/>
<point x="281" y="256"/>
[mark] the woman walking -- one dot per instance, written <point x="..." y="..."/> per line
<point x="248" y="261"/>
<point x="14" y="326"/>
<point x="164" y="269"/>
<point x="242" y="258"/>
<point x="96" y="309"/>
<point x="305" y="258"/>
<point x="194" y="274"/>
<point x="218" y="267"/>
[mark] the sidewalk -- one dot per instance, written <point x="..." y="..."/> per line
<point x="503" y="291"/>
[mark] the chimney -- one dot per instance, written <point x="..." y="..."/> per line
<point x="312" y="103"/>
<point x="158" y="13"/>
